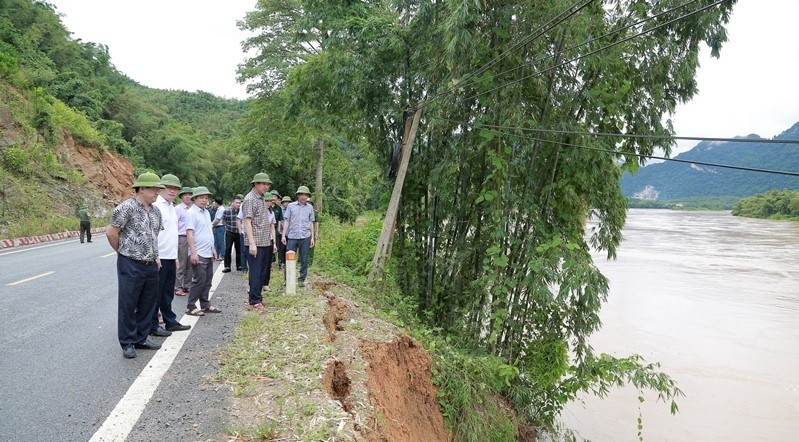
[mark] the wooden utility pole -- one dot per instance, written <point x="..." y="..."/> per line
<point x="320" y="146"/>
<point x="387" y="234"/>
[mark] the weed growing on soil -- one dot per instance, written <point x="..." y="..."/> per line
<point x="274" y="364"/>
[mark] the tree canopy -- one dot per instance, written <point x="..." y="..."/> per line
<point x="491" y="243"/>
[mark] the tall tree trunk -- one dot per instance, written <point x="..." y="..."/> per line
<point x="320" y="146"/>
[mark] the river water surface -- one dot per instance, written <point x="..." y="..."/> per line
<point x="715" y="299"/>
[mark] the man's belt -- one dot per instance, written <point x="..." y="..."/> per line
<point x="144" y="263"/>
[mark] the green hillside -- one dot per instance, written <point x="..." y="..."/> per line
<point x="59" y="95"/>
<point x="676" y="181"/>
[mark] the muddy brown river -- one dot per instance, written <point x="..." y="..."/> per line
<point x="715" y="299"/>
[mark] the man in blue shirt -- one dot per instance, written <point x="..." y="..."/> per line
<point x="298" y="235"/>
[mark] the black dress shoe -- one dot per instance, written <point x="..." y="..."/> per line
<point x="177" y="327"/>
<point x="160" y="332"/>
<point x="148" y="345"/>
<point x="129" y="352"/>
<point x="238" y="269"/>
<point x="226" y="270"/>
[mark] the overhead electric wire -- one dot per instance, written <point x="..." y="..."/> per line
<point x="643" y="136"/>
<point x="523" y="42"/>
<point x="591" y="40"/>
<point x="571" y="60"/>
<point x="655" y="157"/>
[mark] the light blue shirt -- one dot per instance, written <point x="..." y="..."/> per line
<point x="300" y="218"/>
<point x="199" y="220"/>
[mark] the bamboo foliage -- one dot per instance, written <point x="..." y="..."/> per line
<point x="492" y="240"/>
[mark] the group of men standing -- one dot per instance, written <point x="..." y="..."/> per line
<point x="164" y="250"/>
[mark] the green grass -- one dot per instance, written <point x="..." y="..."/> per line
<point x="282" y="346"/>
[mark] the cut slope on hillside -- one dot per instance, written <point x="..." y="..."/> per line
<point x="43" y="182"/>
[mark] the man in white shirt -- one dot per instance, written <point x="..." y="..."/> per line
<point x="167" y="258"/>
<point x="201" y="253"/>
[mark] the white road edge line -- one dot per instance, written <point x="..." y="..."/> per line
<point x="26" y="249"/>
<point x="30" y="279"/>
<point x="123" y="418"/>
<point x="110" y="254"/>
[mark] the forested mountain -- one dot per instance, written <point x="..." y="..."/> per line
<point x="65" y="111"/>
<point x="671" y="180"/>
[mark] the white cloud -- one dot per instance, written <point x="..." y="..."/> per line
<point x="751" y="88"/>
<point x="168" y="44"/>
<point x="191" y="45"/>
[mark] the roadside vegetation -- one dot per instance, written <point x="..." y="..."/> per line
<point x="776" y="204"/>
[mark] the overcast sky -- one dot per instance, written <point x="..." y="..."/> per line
<point x="195" y="45"/>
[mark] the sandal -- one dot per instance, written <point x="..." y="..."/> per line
<point x="259" y="307"/>
<point x="195" y="312"/>
<point x="212" y="309"/>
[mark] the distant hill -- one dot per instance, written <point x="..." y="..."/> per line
<point x="670" y="180"/>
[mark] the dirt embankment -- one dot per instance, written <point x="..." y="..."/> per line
<point x="110" y="173"/>
<point x="398" y="379"/>
<point x="332" y="371"/>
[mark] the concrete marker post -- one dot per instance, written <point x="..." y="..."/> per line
<point x="291" y="272"/>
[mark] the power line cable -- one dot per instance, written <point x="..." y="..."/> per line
<point x="571" y="60"/>
<point x="642" y="136"/>
<point x="523" y="42"/>
<point x="591" y="40"/>
<point x="676" y="160"/>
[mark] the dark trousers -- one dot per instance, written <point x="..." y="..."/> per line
<point x="86" y="228"/>
<point x="266" y="272"/>
<point x="219" y="240"/>
<point x="256" y="264"/>
<point x="232" y="239"/>
<point x="304" y="246"/>
<point x="166" y="292"/>
<point x="245" y="253"/>
<point x="138" y="299"/>
<point x="202" y="275"/>
<point x="281" y="250"/>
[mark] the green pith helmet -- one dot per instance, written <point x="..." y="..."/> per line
<point x="303" y="189"/>
<point x="200" y="191"/>
<point x="261" y="177"/>
<point x="276" y="193"/>
<point x="286" y="199"/>
<point x="239" y="196"/>
<point x="148" y="179"/>
<point x="185" y="190"/>
<point x="170" y="181"/>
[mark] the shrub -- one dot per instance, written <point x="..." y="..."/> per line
<point x="350" y="246"/>
<point x="76" y="123"/>
<point x="16" y="159"/>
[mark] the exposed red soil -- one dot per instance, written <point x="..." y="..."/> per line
<point x="112" y="174"/>
<point x="337" y="311"/>
<point x="337" y="383"/>
<point x="402" y="393"/>
<point x="323" y="284"/>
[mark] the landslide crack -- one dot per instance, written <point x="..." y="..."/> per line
<point x="338" y="384"/>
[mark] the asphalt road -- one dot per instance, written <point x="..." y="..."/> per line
<point x="61" y="363"/>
